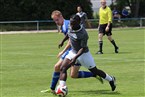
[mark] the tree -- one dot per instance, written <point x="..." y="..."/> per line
<point x="40" y="9"/>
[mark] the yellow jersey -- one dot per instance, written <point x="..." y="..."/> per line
<point x="105" y="15"/>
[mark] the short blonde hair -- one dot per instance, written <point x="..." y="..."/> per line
<point x="56" y="13"/>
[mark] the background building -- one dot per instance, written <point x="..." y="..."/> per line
<point x="96" y="4"/>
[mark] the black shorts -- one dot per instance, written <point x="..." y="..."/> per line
<point x="103" y="27"/>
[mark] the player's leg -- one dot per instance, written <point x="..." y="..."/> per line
<point x="55" y="77"/>
<point x="64" y="67"/>
<point x="87" y="61"/>
<point x="75" y="73"/>
<point x="114" y="44"/>
<point x="63" y="71"/>
<point x="56" y="74"/>
<point x="100" y="38"/>
<point x="104" y="75"/>
<point x="109" y="35"/>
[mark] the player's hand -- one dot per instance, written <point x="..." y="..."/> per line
<point x="73" y="61"/>
<point x="59" y="54"/>
<point x="60" y="45"/>
<point x="107" y="29"/>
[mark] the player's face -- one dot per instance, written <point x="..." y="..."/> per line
<point x="58" y="20"/>
<point x="103" y="3"/>
<point x="79" y="9"/>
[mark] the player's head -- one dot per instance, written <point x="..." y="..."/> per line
<point x="103" y="3"/>
<point x="79" y="8"/>
<point x="75" y="22"/>
<point x="57" y="17"/>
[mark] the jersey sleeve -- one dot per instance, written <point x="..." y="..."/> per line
<point x="85" y="15"/>
<point x="109" y="15"/>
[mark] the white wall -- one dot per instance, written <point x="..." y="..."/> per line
<point x="96" y="4"/>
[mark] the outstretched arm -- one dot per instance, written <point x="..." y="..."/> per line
<point x="65" y="48"/>
<point x="62" y="42"/>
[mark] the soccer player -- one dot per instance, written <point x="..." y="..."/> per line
<point x="105" y="26"/>
<point x="75" y="73"/>
<point x="80" y="53"/>
<point x="83" y="16"/>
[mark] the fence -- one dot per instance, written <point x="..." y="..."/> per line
<point x="49" y="24"/>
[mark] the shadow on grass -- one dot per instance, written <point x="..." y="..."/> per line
<point x="97" y="92"/>
<point x="118" y="53"/>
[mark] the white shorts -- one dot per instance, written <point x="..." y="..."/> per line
<point x="85" y="59"/>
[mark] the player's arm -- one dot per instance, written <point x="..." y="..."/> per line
<point x="65" y="48"/>
<point x="59" y="28"/>
<point x="99" y="20"/>
<point x="109" y="19"/>
<point x="87" y="21"/>
<point x="81" y="51"/>
<point x="62" y="42"/>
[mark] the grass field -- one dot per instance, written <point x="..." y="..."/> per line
<point x="27" y="62"/>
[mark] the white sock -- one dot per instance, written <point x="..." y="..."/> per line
<point x="108" y="77"/>
<point x="62" y="83"/>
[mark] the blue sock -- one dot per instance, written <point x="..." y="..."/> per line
<point x="55" y="79"/>
<point x="85" y="74"/>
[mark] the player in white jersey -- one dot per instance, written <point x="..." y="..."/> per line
<point x="75" y="73"/>
<point x="80" y="53"/>
<point x="83" y="16"/>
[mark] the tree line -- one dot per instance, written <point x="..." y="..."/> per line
<point x="15" y="10"/>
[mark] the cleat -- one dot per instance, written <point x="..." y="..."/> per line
<point x="112" y="83"/>
<point x="99" y="52"/>
<point x="116" y="49"/>
<point x="48" y="91"/>
<point x="100" y="79"/>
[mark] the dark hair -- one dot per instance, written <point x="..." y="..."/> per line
<point x="75" y="22"/>
<point x="80" y="6"/>
<point x="75" y="18"/>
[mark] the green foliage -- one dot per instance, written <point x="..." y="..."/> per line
<point x="27" y="62"/>
<point x="40" y="9"/>
<point x="137" y="6"/>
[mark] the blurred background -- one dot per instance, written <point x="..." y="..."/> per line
<point x="18" y="15"/>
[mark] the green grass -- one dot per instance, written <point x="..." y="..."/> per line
<point x="27" y="62"/>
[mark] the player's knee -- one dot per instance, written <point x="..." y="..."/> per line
<point x="72" y="75"/>
<point x="94" y="71"/>
<point x="100" y="36"/>
<point x="57" y="68"/>
<point x="110" y="38"/>
<point x="63" y="69"/>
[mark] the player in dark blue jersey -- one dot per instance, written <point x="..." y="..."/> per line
<point x="75" y="73"/>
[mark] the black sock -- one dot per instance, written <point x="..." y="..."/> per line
<point x="100" y="45"/>
<point x="98" y="72"/>
<point x="113" y="42"/>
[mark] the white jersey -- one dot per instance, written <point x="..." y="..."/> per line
<point x="83" y="17"/>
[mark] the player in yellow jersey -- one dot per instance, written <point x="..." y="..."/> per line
<point x="105" y="26"/>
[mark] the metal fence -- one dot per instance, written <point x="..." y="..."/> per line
<point x="49" y="24"/>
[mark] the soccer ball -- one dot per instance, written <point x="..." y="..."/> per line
<point x="61" y="91"/>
